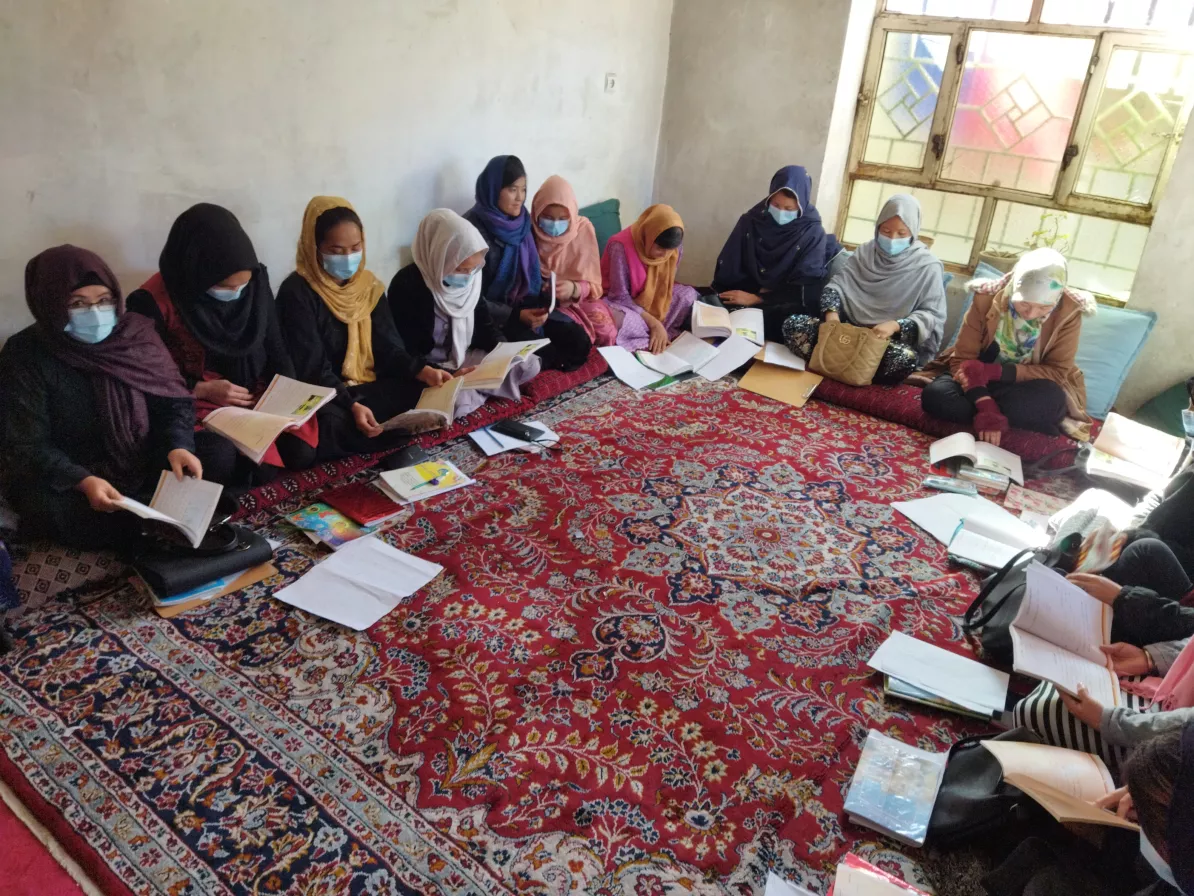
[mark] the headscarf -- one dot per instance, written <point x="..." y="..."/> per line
<point x="205" y="245"/>
<point x="443" y="241"/>
<point x="1039" y="277"/>
<point x="876" y="287"/>
<point x="1180" y="829"/>
<point x="574" y="254"/>
<point x="651" y="279"/>
<point x="130" y="364"/>
<point x="761" y="251"/>
<point x="352" y="304"/>
<point x="518" y="273"/>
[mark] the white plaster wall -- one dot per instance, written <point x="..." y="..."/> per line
<point x="750" y="88"/>
<point x="1163" y="284"/>
<point x="119" y="114"/>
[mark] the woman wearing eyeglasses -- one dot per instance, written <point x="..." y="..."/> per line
<point x="92" y="406"/>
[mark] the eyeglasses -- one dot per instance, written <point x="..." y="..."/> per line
<point x="85" y="305"/>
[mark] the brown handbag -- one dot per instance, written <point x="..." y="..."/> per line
<point x="847" y="353"/>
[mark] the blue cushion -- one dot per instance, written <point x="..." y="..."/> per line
<point x="1107" y="349"/>
<point x="983" y="271"/>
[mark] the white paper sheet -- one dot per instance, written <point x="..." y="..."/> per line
<point x="495" y="443"/>
<point x="777" y="886"/>
<point x="958" y="679"/>
<point x="665" y="363"/>
<point x="627" y="368"/>
<point x="693" y="351"/>
<point x="941" y="515"/>
<point x="360" y="583"/>
<point x="782" y="356"/>
<point x="731" y="355"/>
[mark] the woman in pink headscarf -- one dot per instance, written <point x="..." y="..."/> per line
<point x="568" y="248"/>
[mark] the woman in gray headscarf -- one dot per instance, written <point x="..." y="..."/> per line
<point x="893" y="285"/>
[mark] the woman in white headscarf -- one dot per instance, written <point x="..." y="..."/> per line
<point x="436" y="305"/>
<point x="894" y="285"/>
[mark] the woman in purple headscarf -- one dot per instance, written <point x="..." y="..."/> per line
<point x="92" y="405"/>
<point x="778" y="255"/>
<point x="512" y="281"/>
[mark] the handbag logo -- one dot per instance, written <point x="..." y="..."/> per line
<point x="844" y="338"/>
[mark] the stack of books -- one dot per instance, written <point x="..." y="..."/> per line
<point x="990" y="468"/>
<point x="169" y="606"/>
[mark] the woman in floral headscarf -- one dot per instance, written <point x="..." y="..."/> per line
<point x="1013" y="364"/>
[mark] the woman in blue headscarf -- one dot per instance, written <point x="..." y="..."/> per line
<point x="778" y="255"/>
<point x="512" y="281"/>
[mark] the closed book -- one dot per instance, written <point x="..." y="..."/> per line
<point x="361" y="503"/>
<point x="894" y="788"/>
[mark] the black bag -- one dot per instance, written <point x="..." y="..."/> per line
<point x="974" y="801"/>
<point x="991" y="613"/>
<point x="170" y="571"/>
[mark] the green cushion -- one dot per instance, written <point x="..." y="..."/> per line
<point x="607" y="219"/>
<point x="1165" y="411"/>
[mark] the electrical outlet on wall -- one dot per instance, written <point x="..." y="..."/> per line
<point x="611" y="82"/>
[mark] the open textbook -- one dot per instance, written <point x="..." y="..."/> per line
<point x="1065" y="782"/>
<point x="982" y="455"/>
<point x="437" y="405"/>
<point x="1056" y="636"/>
<point x="285" y="404"/>
<point x="683" y="356"/>
<point x="186" y="504"/>
<point x="1131" y="452"/>
<point x="491" y="372"/>
<point x="712" y="322"/>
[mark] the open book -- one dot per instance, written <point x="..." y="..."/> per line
<point x="1057" y="633"/>
<point x="186" y="504"/>
<point x="1131" y="452"/>
<point x="990" y="542"/>
<point x="983" y="456"/>
<point x="285" y="404"/>
<point x="491" y="372"/>
<point x="1065" y="782"/>
<point x="435" y="410"/>
<point x="711" y="322"/>
<point x="683" y="356"/>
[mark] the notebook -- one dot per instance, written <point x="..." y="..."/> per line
<point x="426" y="480"/>
<point x="990" y="543"/>
<point x="894" y="788"/>
<point x="712" y="322"/>
<point x="944" y="674"/>
<point x="1056" y="636"/>
<point x="1133" y="453"/>
<point x="685" y="355"/>
<point x="285" y="404"/>
<point x="982" y="456"/>
<point x="326" y="525"/>
<point x="362" y="503"/>
<point x="1065" y="782"/>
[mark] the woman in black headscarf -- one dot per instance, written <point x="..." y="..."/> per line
<point x="91" y="405"/>
<point x="213" y="307"/>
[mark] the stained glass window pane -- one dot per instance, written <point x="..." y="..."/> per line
<point x="902" y="114"/>
<point x="1103" y="255"/>
<point x="1138" y="113"/>
<point x="1004" y="10"/>
<point x="1120" y="13"/>
<point x="1016" y="105"/>
<point x="951" y="219"/>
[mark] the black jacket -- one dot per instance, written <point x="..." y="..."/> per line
<point x="413" y="308"/>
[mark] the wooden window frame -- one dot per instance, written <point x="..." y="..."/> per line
<point x="1064" y="198"/>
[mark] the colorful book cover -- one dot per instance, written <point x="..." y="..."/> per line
<point x="425" y="480"/>
<point x="329" y="525"/>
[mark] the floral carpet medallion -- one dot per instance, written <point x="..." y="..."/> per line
<point x="641" y="673"/>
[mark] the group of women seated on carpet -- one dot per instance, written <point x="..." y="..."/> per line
<point x="95" y="400"/>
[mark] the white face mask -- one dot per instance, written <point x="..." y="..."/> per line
<point x="1159" y="864"/>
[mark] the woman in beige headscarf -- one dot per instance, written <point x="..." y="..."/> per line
<point x="338" y="327"/>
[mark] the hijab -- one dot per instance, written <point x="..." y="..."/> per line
<point x="443" y="241"/>
<point x="1180" y="829"/>
<point x="206" y="245"/>
<point x="651" y="279"/>
<point x="573" y="255"/>
<point x="876" y="287"/>
<point x="130" y="364"/>
<point x="1039" y="277"/>
<point x="518" y="273"/>
<point x="352" y="304"/>
<point x="761" y="251"/>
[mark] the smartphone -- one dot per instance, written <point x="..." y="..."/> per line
<point x="515" y="430"/>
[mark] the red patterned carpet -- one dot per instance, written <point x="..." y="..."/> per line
<point x="642" y="673"/>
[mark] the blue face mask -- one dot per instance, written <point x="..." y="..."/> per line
<point x="553" y="228"/>
<point x="91" y="325"/>
<point x="457" y="281"/>
<point x="782" y="215"/>
<point x="894" y="247"/>
<point x="341" y="267"/>
<point x="1159" y="864"/>
<point x="226" y="295"/>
